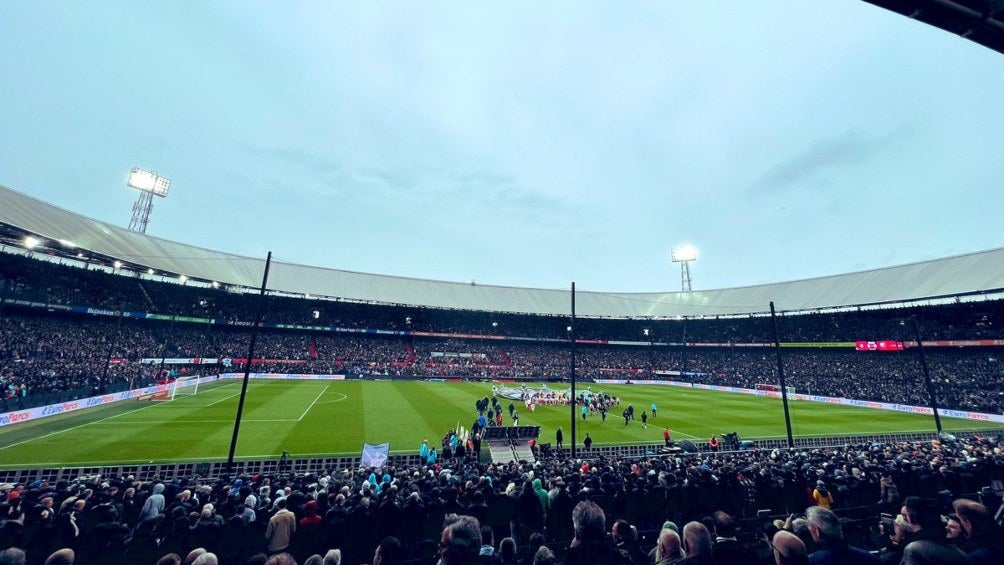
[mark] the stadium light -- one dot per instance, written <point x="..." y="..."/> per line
<point x="147" y="181"/>
<point x="149" y="271"/>
<point x="685" y="252"/>
<point x="67" y="244"/>
<point x="182" y="278"/>
<point x="683" y="255"/>
<point x="117" y="264"/>
<point x="149" y="184"/>
<point x="31" y="242"/>
<point x="215" y="284"/>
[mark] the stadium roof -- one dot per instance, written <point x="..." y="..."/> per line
<point x="973" y="273"/>
<point x="981" y="21"/>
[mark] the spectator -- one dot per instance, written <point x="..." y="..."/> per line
<point x="589" y="546"/>
<point x="625" y="539"/>
<point x="829" y="538"/>
<point x="697" y="545"/>
<point x="281" y="527"/>
<point x="788" y="549"/>
<point x="461" y="541"/>
<point x="668" y="550"/>
<point x="983" y="541"/>
<point x="389" y="552"/>
<point x="727" y="548"/>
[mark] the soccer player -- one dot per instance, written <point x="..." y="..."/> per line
<point x="653" y="410"/>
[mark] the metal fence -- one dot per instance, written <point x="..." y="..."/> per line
<point x="316" y="465"/>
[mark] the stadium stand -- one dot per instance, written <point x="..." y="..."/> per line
<point x="62" y="337"/>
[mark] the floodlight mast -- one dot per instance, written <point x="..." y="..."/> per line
<point x="683" y="255"/>
<point x="149" y="184"/>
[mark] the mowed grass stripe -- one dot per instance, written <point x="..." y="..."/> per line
<point x="403" y="413"/>
<point x="323" y="428"/>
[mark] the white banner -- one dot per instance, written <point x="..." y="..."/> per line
<point x="284" y="377"/>
<point x="30" y="414"/>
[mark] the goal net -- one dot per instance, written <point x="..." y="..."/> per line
<point x="182" y="386"/>
<point x="775" y="388"/>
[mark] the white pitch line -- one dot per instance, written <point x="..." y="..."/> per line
<point x="344" y="397"/>
<point x="222" y="399"/>
<point x="314" y="402"/>
<point x="672" y="431"/>
<point x="243" y="420"/>
<point x="2" y="447"/>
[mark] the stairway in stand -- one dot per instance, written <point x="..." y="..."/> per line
<point x="153" y="307"/>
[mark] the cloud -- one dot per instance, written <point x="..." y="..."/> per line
<point x="846" y="150"/>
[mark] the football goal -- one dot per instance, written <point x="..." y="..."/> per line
<point x="181" y="386"/>
<point x="775" y="388"/>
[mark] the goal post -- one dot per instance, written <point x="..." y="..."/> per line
<point x="774" y="388"/>
<point x="181" y="386"/>
<point x="185" y="386"/>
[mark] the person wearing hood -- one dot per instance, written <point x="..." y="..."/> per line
<point x="307" y="542"/>
<point x="248" y="513"/>
<point x="822" y="495"/>
<point x="154" y="504"/>
<point x="545" y="501"/>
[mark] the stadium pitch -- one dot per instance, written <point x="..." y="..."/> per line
<point x="322" y="418"/>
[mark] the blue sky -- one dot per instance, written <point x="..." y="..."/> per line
<point x="517" y="143"/>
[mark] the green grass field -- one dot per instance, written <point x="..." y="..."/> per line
<point x="315" y="418"/>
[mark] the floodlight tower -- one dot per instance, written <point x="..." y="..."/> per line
<point x="149" y="184"/>
<point x="683" y="255"/>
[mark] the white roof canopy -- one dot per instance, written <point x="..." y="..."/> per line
<point x="952" y="276"/>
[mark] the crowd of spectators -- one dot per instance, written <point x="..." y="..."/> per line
<point x="46" y="357"/>
<point x="52" y="357"/>
<point x="452" y="511"/>
<point x="710" y="502"/>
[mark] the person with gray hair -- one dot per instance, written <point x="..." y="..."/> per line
<point x="461" y="540"/>
<point x="669" y="548"/>
<point x="544" y="556"/>
<point x="12" y="556"/>
<point x="64" y="556"/>
<point x="333" y="557"/>
<point x="831" y="548"/>
<point x="207" y="558"/>
<point x="697" y="544"/>
<point x="589" y="545"/>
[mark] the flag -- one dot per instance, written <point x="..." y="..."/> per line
<point x="375" y="455"/>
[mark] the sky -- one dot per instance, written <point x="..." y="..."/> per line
<point x="529" y="144"/>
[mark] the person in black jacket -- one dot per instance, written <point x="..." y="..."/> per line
<point x="589" y="546"/>
<point x="626" y="541"/>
